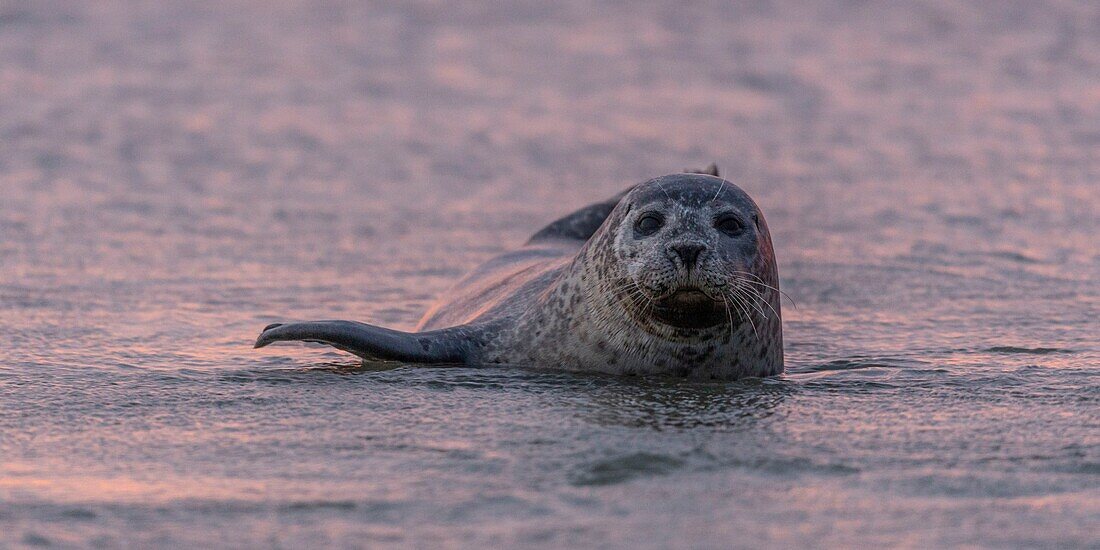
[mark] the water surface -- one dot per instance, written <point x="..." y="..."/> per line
<point x="176" y="175"/>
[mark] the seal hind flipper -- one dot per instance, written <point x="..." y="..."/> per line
<point x="446" y="346"/>
<point x="710" y="170"/>
<point x="582" y="224"/>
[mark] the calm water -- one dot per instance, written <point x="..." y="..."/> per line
<point x="176" y="176"/>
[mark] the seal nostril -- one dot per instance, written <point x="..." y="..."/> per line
<point x="688" y="253"/>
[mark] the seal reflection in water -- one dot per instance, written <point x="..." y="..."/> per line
<point x="675" y="276"/>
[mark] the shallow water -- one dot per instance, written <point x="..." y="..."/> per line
<point x="177" y="176"/>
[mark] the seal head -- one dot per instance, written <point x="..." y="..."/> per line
<point x="690" y="250"/>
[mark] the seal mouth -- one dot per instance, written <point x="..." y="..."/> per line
<point x="690" y="307"/>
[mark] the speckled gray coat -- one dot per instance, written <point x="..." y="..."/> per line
<point x="583" y="293"/>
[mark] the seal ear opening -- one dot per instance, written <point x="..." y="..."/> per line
<point x="446" y="346"/>
<point x="710" y="170"/>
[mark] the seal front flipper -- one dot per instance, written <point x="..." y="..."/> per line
<point x="453" y="345"/>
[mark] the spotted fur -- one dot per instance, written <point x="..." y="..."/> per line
<point x="582" y="295"/>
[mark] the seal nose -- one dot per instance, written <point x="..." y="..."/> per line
<point x="688" y="253"/>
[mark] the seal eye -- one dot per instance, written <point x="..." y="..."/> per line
<point x="649" y="223"/>
<point x="729" y="225"/>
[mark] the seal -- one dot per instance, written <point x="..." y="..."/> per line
<point x="674" y="276"/>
